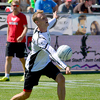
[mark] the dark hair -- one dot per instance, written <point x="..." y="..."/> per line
<point x="88" y="0"/>
<point x="81" y="17"/>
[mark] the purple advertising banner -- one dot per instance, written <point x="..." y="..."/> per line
<point x="87" y="58"/>
<point x="63" y="33"/>
<point x="78" y="61"/>
<point x="82" y="60"/>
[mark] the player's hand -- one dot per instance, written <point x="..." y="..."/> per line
<point x="68" y="71"/>
<point x="55" y="15"/>
<point x="89" y="6"/>
<point x="19" y="39"/>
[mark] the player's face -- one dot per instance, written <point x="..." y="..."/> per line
<point x="93" y="29"/>
<point x="15" y="7"/>
<point x="42" y="20"/>
<point x="82" y="26"/>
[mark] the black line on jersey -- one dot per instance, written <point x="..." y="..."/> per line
<point x="32" y="59"/>
<point x="38" y="37"/>
<point x="46" y="45"/>
<point x="53" y="58"/>
<point x="36" y="31"/>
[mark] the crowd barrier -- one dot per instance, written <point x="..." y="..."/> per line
<point x="63" y="32"/>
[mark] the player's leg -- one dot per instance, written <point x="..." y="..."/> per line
<point x="28" y="85"/>
<point x="7" y="69"/>
<point x="20" y="54"/>
<point x="23" y="63"/>
<point x="53" y="72"/>
<point x="61" y="86"/>
<point x="8" y="64"/>
<point x="9" y="56"/>
<point x="21" y="96"/>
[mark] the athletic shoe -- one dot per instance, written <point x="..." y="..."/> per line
<point x="4" y="79"/>
<point x="22" y="78"/>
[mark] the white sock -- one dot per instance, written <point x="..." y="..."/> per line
<point x="7" y="75"/>
<point x="24" y="74"/>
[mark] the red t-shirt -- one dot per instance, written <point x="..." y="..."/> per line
<point x="16" y="25"/>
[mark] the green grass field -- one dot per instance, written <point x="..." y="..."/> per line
<point x="78" y="87"/>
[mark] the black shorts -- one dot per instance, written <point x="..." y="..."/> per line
<point x="32" y="78"/>
<point x="15" y="49"/>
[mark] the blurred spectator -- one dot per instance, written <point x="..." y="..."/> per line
<point x="30" y="9"/>
<point x="33" y="3"/>
<point x="3" y="0"/>
<point x="94" y="2"/>
<point x="48" y="6"/>
<point x="62" y="1"/>
<point x="59" y="2"/>
<point x="99" y="2"/>
<point x="2" y="7"/>
<point x="75" y="1"/>
<point x="9" y="1"/>
<point x="8" y="9"/>
<point x="24" y="6"/>
<point x="84" y="7"/>
<point x="66" y="7"/>
<point x="80" y="1"/>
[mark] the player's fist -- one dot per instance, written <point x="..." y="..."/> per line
<point x="68" y="70"/>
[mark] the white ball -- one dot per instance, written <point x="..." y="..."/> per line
<point x="64" y="52"/>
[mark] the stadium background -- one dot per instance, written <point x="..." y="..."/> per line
<point x="63" y="30"/>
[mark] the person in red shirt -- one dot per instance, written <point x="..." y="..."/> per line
<point x="17" y="29"/>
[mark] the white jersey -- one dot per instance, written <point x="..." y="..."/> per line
<point x="42" y="53"/>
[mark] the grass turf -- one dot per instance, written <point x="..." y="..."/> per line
<point x="78" y="87"/>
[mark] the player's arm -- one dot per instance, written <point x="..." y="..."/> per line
<point x="89" y="10"/>
<point x="55" y="57"/>
<point x="8" y="27"/>
<point x="42" y="43"/>
<point x="7" y="32"/>
<point x="20" y="38"/>
<point x="55" y="8"/>
<point x="77" y="9"/>
<point x="24" y="22"/>
<point x="52" y="21"/>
